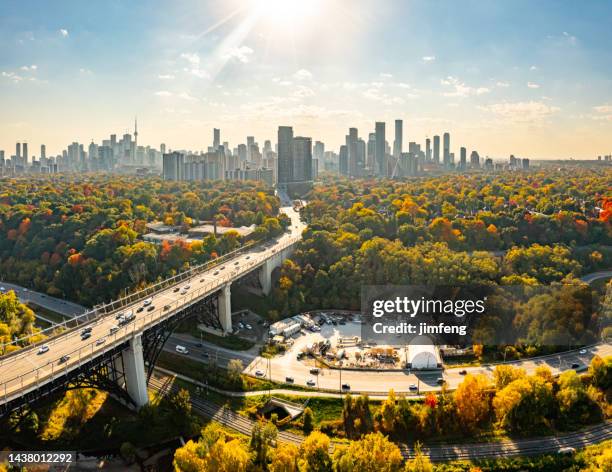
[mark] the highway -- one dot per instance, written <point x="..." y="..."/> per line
<point x="25" y="295"/>
<point x="437" y="452"/>
<point x="25" y="369"/>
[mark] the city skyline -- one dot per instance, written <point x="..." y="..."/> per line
<point x="498" y="80"/>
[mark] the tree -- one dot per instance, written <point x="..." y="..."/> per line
<point x="420" y="462"/>
<point x="314" y="454"/>
<point x="473" y="400"/>
<point x="263" y="435"/>
<point x="307" y="421"/>
<point x="285" y="458"/>
<point x="234" y="372"/>
<point x="388" y="412"/>
<point x="504" y="374"/>
<point x="373" y="453"/>
<point x="128" y="452"/>
<point x="600" y="371"/>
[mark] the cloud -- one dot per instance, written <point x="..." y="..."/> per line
<point x="33" y="67"/>
<point x="85" y="71"/>
<point x="63" y="32"/>
<point x="533" y="85"/>
<point x="428" y="59"/>
<point x="570" y="38"/>
<point x="604" y="113"/>
<point x="385" y="75"/>
<point x="191" y="57"/>
<point x="165" y="76"/>
<point x="460" y="89"/>
<point x="194" y="62"/>
<point x="303" y="92"/>
<point x="374" y="93"/>
<point x="302" y="74"/>
<point x="163" y="93"/>
<point x="181" y="95"/>
<point x="15" y="78"/>
<point x="502" y="84"/>
<point x="533" y="68"/>
<point x="603" y="108"/>
<point x="241" y="54"/>
<point x="522" y="112"/>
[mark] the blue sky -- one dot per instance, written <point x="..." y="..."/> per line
<point x="529" y="78"/>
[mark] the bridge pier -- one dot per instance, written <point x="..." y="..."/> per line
<point x="265" y="277"/>
<point x="134" y="372"/>
<point x="225" y="308"/>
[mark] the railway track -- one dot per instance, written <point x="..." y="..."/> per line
<point x="437" y="452"/>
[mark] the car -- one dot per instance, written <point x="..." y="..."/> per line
<point x="259" y="373"/>
<point x="119" y="316"/>
<point x="187" y="287"/>
<point x="314" y="371"/>
<point x="114" y="329"/>
<point x="64" y="359"/>
<point x="566" y="450"/>
<point x="86" y="330"/>
<point x="311" y="382"/>
<point x="440" y="381"/>
<point x="181" y="349"/>
<point x="2" y="289"/>
<point x="25" y="289"/>
<point x="216" y="272"/>
<point x="86" y="335"/>
<point x="248" y="257"/>
<point x="202" y="280"/>
<point x="140" y="309"/>
<point x="248" y="326"/>
<point x="176" y="289"/>
<point x="222" y="267"/>
<point x="240" y="325"/>
<point x="346" y="387"/>
<point x="183" y="292"/>
<point x="42" y="349"/>
<point x="289" y="380"/>
<point x="151" y="308"/>
<point x="129" y="316"/>
<point x="236" y="263"/>
<point x="463" y="372"/>
<point x="342" y="322"/>
<point x="575" y="365"/>
<point x="583" y="351"/>
<point x="413" y="387"/>
<point x="147" y="302"/>
<point x="205" y="354"/>
<point x="166" y="307"/>
<point x="100" y="341"/>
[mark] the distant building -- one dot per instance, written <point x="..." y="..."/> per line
<point x="397" y="142"/>
<point x="436" y="149"/>
<point x="380" y="151"/>
<point x="462" y="158"/>
<point x="447" y="158"/>
<point x="173" y="164"/>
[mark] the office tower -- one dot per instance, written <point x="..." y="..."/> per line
<point x="361" y="157"/>
<point x="436" y="149"/>
<point x="1" y="158"/>
<point x="162" y="148"/>
<point x="43" y="152"/>
<point x="17" y="154"/>
<point x="380" y="155"/>
<point x="397" y="142"/>
<point x="351" y="145"/>
<point x="173" y="166"/>
<point x="371" y="153"/>
<point x="284" y="164"/>
<point x="24" y="151"/>
<point x="343" y="166"/>
<point x="250" y="142"/>
<point x="447" y="158"/>
<point x="474" y="160"/>
<point x="427" y="150"/>
<point x="216" y="138"/>
<point x="318" y="150"/>
<point x="463" y="158"/>
<point x="242" y="153"/>
<point x="525" y="163"/>
<point x="302" y="159"/>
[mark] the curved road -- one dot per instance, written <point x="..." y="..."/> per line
<point x="437" y="452"/>
<point x="63" y="307"/>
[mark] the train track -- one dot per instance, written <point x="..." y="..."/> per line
<point x="437" y="452"/>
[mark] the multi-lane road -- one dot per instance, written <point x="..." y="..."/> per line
<point x="57" y="305"/>
<point x="26" y="369"/>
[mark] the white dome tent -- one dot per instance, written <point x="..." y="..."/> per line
<point x="423" y="354"/>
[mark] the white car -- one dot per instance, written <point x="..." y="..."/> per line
<point x="2" y="289"/>
<point x="566" y="450"/>
<point x="42" y="349"/>
<point x="583" y="351"/>
<point x="248" y="326"/>
<point x="181" y="349"/>
<point x="100" y="341"/>
<point x="148" y="301"/>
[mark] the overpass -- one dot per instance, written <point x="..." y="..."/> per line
<point x="119" y="357"/>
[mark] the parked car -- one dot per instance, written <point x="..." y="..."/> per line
<point x="575" y="365"/>
<point x="583" y="351"/>
<point x="463" y="372"/>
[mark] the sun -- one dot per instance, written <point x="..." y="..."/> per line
<point x="289" y="11"/>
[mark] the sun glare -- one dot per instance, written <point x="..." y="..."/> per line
<point x="286" y="10"/>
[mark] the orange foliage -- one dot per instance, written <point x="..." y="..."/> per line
<point x="24" y="226"/>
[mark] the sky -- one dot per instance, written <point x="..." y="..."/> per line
<point x="533" y="79"/>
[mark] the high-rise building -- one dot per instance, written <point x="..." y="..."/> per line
<point x="173" y="166"/>
<point x="397" y="142"/>
<point x="17" y="154"/>
<point x="24" y="150"/>
<point x="302" y="159"/>
<point x="380" y="155"/>
<point x="371" y="153"/>
<point x="162" y="148"/>
<point x="462" y="158"/>
<point x="351" y="145"/>
<point x="428" y="150"/>
<point x="285" y="167"/>
<point x="447" y="158"/>
<point x="43" y="151"/>
<point x="436" y="149"/>
<point x="216" y="138"/>
<point x="318" y="150"/>
<point x="474" y="160"/>
<point x="343" y="164"/>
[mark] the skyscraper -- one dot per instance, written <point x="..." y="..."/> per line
<point x="436" y="149"/>
<point x="447" y="159"/>
<point x="17" y="154"/>
<point x="371" y="152"/>
<point x="343" y="166"/>
<point x="285" y="168"/>
<point x="24" y="150"/>
<point x="216" y="138"/>
<point x="302" y="159"/>
<point x="397" y="142"/>
<point x="379" y="155"/>
<point x="43" y="151"/>
<point x="428" y="150"/>
<point x="173" y="166"/>
<point x="351" y="145"/>
<point x="474" y="160"/>
<point x="463" y="158"/>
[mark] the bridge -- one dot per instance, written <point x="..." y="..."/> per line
<point x="119" y="356"/>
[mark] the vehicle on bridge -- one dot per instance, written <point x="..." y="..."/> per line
<point x="42" y="349"/>
<point x="147" y="302"/>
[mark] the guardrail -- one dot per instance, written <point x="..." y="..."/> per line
<point x="49" y="372"/>
<point x="96" y="312"/>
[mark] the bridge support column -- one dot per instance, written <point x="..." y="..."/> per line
<point x="135" y="375"/>
<point x="265" y="276"/>
<point x="225" y="308"/>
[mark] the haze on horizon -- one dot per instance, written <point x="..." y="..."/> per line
<point x="531" y="79"/>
